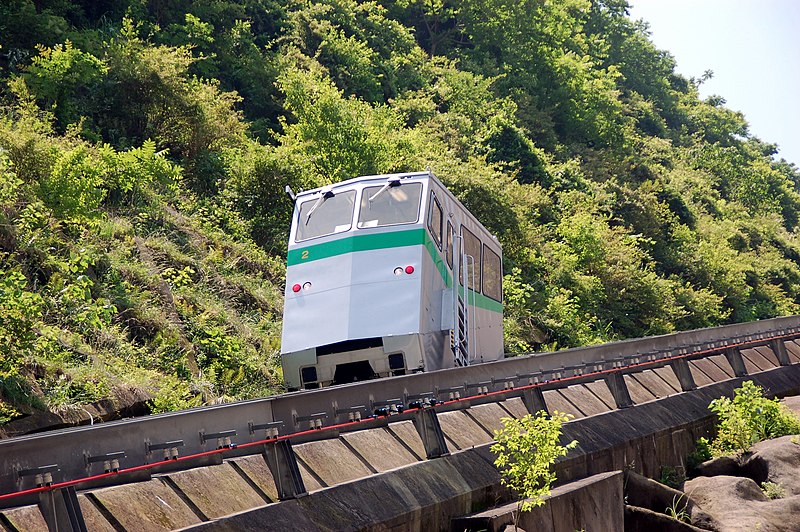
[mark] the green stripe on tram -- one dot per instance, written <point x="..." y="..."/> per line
<point x="394" y="239"/>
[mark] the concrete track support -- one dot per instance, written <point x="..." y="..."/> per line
<point x="616" y="385"/>
<point x="779" y="348"/>
<point x="736" y="361"/>
<point x="282" y="462"/>
<point x="534" y="400"/>
<point x="61" y="510"/>
<point x="430" y="431"/>
<point x="681" y="369"/>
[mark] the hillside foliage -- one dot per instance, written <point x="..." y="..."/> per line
<point x="145" y="145"/>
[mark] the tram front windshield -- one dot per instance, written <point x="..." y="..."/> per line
<point x="332" y="212"/>
<point x="389" y="205"/>
<point x="326" y="215"/>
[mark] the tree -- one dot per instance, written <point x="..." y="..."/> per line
<point x="526" y="450"/>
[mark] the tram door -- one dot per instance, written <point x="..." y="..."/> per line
<point x="460" y="336"/>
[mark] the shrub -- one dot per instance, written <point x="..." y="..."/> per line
<point x="174" y="394"/>
<point x="749" y="418"/>
<point x="63" y="78"/>
<point x="672" y="476"/>
<point x="526" y="448"/>
<point x="20" y="313"/>
<point x="9" y="182"/>
<point x="7" y="412"/>
<point x="131" y="173"/>
<point x="701" y="453"/>
<point x="74" y="188"/>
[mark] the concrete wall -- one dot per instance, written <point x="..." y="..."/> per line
<point x="593" y="503"/>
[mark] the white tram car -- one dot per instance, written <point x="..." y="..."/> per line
<point x="369" y="282"/>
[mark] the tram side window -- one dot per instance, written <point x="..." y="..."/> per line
<point x="472" y="247"/>
<point x="435" y="220"/>
<point x="389" y="205"/>
<point x="449" y="253"/>
<point x="323" y="216"/>
<point x="492" y="275"/>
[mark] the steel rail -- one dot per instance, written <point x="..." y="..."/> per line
<point x="208" y="433"/>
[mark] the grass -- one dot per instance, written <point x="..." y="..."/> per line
<point x="227" y="294"/>
<point x="678" y="511"/>
<point x="773" y="490"/>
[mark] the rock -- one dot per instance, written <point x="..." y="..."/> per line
<point x="777" y="461"/>
<point x="28" y="424"/>
<point x="792" y="403"/>
<point x="739" y="505"/>
<point x="724" y="465"/>
<point x="708" y="491"/>
<point x="125" y="402"/>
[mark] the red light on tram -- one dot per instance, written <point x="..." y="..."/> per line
<point x="296" y="288"/>
<point x="409" y="270"/>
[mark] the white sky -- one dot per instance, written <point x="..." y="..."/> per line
<point x="753" y="47"/>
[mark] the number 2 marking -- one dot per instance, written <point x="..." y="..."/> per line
<point x="304" y="254"/>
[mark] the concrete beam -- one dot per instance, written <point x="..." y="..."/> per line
<point x="681" y="368"/>
<point x="616" y="385"/>
<point x="779" y="348"/>
<point x="423" y="496"/>
<point x="736" y="361"/>
<point x="534" y="400"/>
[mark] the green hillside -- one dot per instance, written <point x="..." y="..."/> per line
<point x="145" y="145"/>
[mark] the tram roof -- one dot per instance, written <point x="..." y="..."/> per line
<point x="376" y="177"/>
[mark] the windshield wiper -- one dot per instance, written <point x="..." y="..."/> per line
<point x="384" y="188"/>
<point x="326" y="193"/>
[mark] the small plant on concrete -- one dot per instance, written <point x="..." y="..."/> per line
<point x="749" y="418"/>
<point x="773" y="490"/>
<point x="678" y="509"/>
<point x="526" y="449"/>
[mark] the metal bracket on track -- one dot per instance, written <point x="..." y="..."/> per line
<point x="61" y="510"/>
<point x="282" y="463"/>
<point x="170" y="448"/>
<point x="110" y="461"/>
<point x="223" y="438"/>
<point x="430" y="431"/>
<point x="59" y="507"/>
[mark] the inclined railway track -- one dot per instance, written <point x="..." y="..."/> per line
<point x="134" y="449"/>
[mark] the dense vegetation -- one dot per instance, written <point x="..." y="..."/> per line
<point x="144" y="147"/>
<point x="745" y="420"/>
